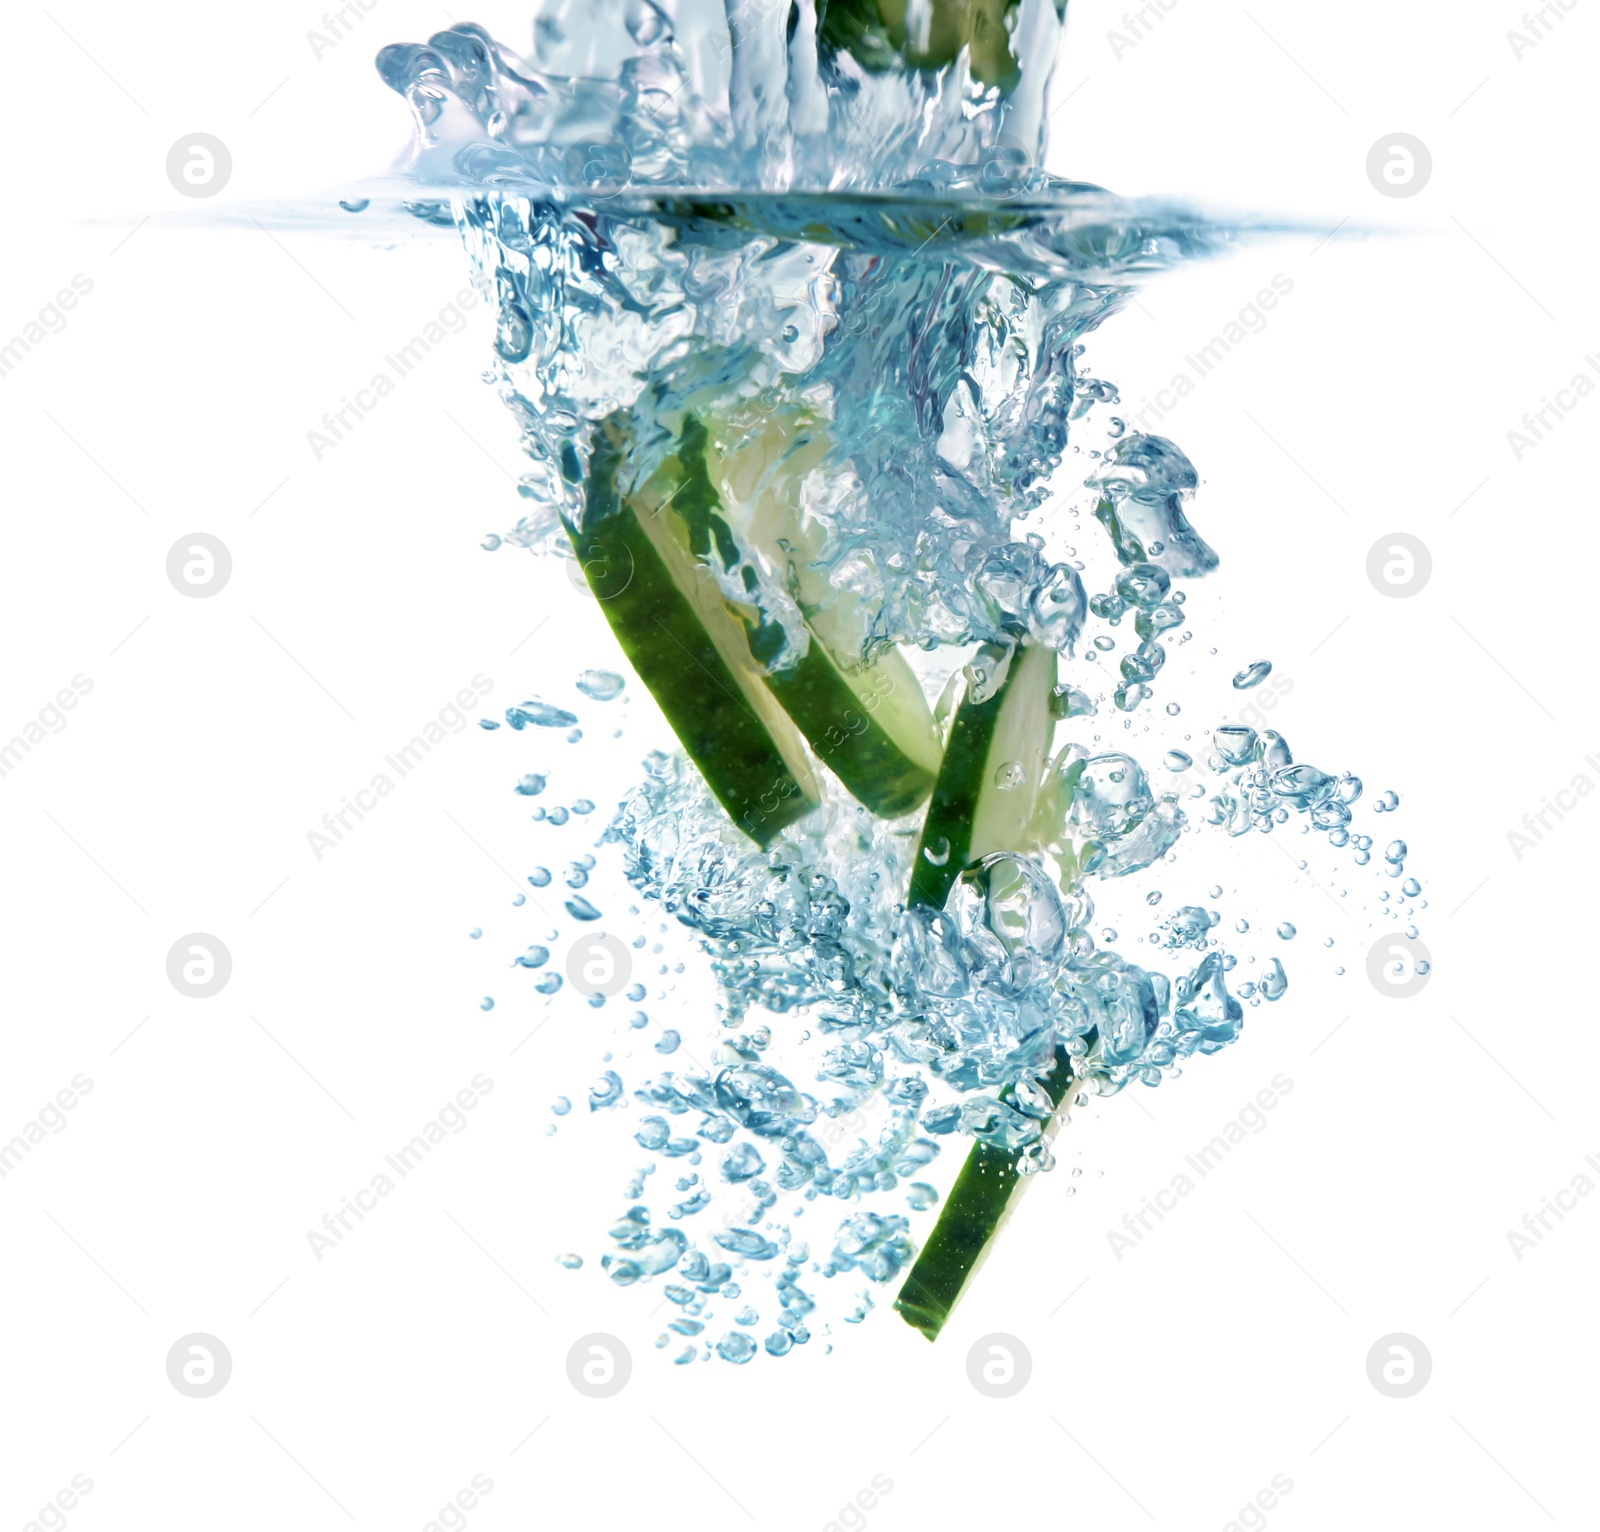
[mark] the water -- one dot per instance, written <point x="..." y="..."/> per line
<point x="857" y="280"/>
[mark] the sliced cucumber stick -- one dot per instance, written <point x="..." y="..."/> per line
<point x="689" y="649"/>
<point x="871" y="724"/>
<point x="980" y="1203"/>
<point x="984" y="798"/>
<point x="873" y="728"/>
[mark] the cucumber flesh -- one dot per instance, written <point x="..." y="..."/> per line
<point x="871" y="724"/>
<point x="984" y="802"/>
<point x="984" y="798"/>
<point x="687" y="647"/>
<point x="859" y="724"/>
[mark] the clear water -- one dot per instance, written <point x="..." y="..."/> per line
<point x="768" y="234"/>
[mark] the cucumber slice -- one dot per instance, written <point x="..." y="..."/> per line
<point x="993" y="764"/>
<point x="884" y="34"/>
<point x="980" y="1203"/>
<point x="870" y="724"/>
<point x="686" y="646"/>
<point x="873" y="729"/>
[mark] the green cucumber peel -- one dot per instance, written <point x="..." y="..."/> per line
<point x="984" y="1195"/>
<point x="686" y="648"/>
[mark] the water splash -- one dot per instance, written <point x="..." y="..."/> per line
<point x="829" y="243"/>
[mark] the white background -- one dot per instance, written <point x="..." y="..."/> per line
<point x="371" y="1386"/>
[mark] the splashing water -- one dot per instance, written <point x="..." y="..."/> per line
<point x="832" y="247"/>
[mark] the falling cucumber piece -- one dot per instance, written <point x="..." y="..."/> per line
<point x="984" y="798"/>
<point x="873" y="729"/>
<point x="984" y="802"/>
<point x="689" y="649"/>
<point x="883" y="34"/>
<point x="871" y="725"/>
<point x="977" y="1208"/>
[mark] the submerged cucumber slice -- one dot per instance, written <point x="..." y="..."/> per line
<point x="871" y="725"/>
<point x="984" y="802"/>
<point x="983" y="1198"/>
<point x="993" y="763"/>
<point x="688" y="648"/>
<point x="865" y="726"/>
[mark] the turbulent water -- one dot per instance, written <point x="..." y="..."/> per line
<point x="742" y="220"/>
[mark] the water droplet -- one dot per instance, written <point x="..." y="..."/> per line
<point x="540" y="713"/>
<point x="486" y="1004"/>
<point x="1176" y="760"/>
<point x="540" y="877"/>
<point x="1286" y="931"/>
<point x="736" y="1347"/>
<point x="579" y="908"/>
<point x="571" y="1262"/>
<point x="1173" y="709"/>
<point x="937" y="851"/>
<point x="356" y="204"/>
<point x="1009" y="775"/>
<point x="602" y="685"/>
<point x="1252" y="675"/>
<point x="530" y="786"/>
